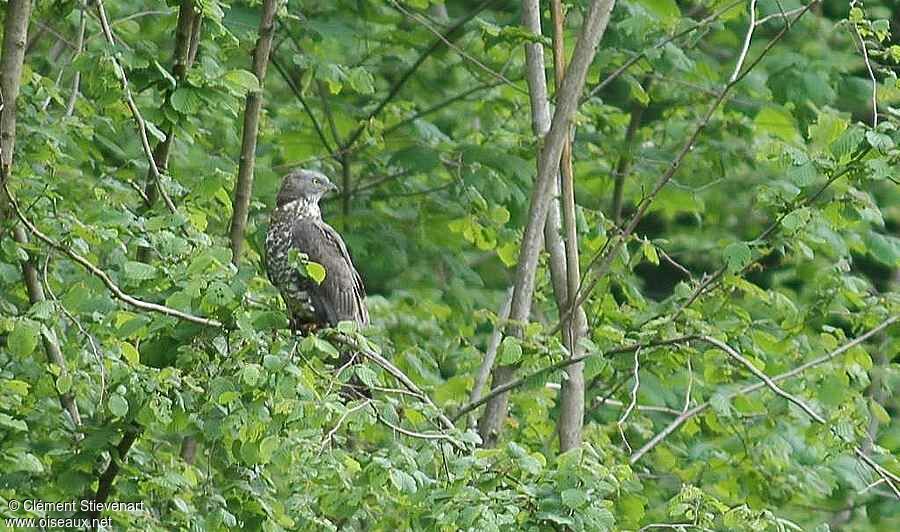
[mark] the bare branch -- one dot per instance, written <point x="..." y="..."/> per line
<point x="634" y="392"/>
<point x="747" y="38"/>
<point x="490" y="354"/>
<point x="132" y="106"/>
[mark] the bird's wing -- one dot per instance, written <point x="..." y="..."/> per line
<point x="341" y="294"/>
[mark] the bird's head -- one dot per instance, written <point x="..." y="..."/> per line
<point x="307" y="185"/>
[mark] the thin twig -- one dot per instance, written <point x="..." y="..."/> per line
<point x="815" y="416"/>
<point x="132" y="106"/>
<point x="602" y="261"/>
<point x="634" y="391"/>
<point x="865" y="53"/>
<point x="451" y="34"/>
<point x="770" y="382"/>
<point x="751" y="26"/>
<point x="344" y="416"/>
<point x="77" y="323"/>
<point x="786" y="15"/>
<point x="640" y="55"/>
<point x="562" y="364"/>
<point x="457" y="49"/>
<point x="76" y="78"/>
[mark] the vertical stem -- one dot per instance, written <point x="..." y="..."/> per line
<point x="595" y="22"/>
<point x="244" y="185"/>
<point x="346" y="185"/>
<point x="571" y="417"/>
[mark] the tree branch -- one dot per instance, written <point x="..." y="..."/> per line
<point x="602" y="262"/>
<point x="132" y="106"/>
<point x="453" y="33"/>
<point x="770" y="382"/>
<point x="105" y="278"/>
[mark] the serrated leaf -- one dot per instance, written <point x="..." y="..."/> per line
<point x="499" y="215"/>
<point x="361" y="80"/>
<point x="508" y="254"/>
<point x="250" y="374"/>
<point x="879" y="141"/>
<point x="778" y="122"/>
<point x="138" y="271"/>
<point x="403" y="481"/>
<point x="649" y="251"/>
<point x="131" y="354"/>
<point x="510" y="350"/>
<point x="573" y="498"/>
<point x="185" y="100"/>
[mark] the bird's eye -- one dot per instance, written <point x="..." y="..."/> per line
<point x="317" y="181"/>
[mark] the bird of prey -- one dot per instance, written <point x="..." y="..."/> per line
<point x="296" y="224"/>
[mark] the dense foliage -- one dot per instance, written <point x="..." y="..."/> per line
<point x="776" y="236"/>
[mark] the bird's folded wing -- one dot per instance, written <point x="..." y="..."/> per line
<point x="341" y="294"/>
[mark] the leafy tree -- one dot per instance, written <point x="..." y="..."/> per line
<point x="673" y="256"/>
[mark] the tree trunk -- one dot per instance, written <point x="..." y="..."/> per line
<point x="15" y="32"/>
<point x="567" y="102"/>
<point x="244" y="186"/>
<point x="571" y="395"/>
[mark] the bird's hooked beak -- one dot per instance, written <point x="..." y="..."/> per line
<point x="332" y="187"/>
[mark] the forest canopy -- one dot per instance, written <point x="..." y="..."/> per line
<point x="630" y="265"/>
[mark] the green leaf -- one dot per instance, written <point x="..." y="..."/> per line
<point x="737" y="256"/>
<point x="649" y="251"/>
<point x="250" y="374"/>
<point x="361" y="80"/>
<point x="130" y="353"/>
<point x="24" y="337"/>
<point x="879" y="141"/>
<point x="803" y="175"/>
<point x="138" y="271"/>
<point x="228" y="397"/>
<point x="315" y="271"/>
<point x="403" y="481"/>
<point x="499" y="215"/>
<point x="185" y="100"/>
<point x="510" y="350"/>
<point x="118" y="405"/>
<point x="778" y="122"/>
<point x="885" y="249"/>
<point x="828" y="127"/>
<point x="12" y="423"/>
<point x="796" y="219"/>
<point x="662" y="9"/>
<point x="573" y="498"/>
<point x="509" y="254"/>
<point x="241" y="81"/>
